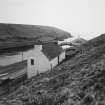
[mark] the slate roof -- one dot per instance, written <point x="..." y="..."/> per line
<point x="51" y="50"/>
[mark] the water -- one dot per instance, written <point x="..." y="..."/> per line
<point x="13" y="57"/>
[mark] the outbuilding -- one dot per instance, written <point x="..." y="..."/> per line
<point x="43" y="58"/>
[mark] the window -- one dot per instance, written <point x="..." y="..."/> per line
<point x="32" y="61"/>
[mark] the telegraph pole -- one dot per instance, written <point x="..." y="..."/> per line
<point x="22" y="56"/>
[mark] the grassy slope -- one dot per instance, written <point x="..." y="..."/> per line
<point x="80" y="80"/>
<point x="96" y="42"/>
<point x="79" y="41"/>
<point x="18" y="34"/>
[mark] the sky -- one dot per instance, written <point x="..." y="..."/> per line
<point x="84" y="18"/>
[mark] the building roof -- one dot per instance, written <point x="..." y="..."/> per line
<point x="51" y="50"/>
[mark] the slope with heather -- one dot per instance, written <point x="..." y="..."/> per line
<point x="78" y="81"/>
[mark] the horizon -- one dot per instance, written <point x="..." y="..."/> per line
<point x="80" y="18"/>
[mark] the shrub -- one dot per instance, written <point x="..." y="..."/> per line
<point x="87" y="100"/>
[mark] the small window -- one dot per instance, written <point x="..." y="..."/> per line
<point x="32" y="61"/>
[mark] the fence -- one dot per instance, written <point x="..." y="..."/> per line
<point x="10" y="85"/>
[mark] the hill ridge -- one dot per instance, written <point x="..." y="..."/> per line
<point x="20" y="34"/>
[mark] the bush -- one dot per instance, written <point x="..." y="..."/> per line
<point x="87" y="100"/>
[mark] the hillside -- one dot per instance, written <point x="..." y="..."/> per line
<point x="20" y="34"/>
<point x="78" y="81"/>
<point x="96" y="42"/>
<point x="79" y="41"/>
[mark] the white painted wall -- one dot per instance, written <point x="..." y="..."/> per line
<point x="54" y="62"/>
<point x="62" y="56"/>
<point x="41" y="62"/>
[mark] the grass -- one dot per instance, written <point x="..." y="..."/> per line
<point x="19" y="34"/>
<point x="78" y="81"/>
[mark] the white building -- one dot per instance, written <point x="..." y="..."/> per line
<point x="43" y="58"/>
<point x="68" y="40"/>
